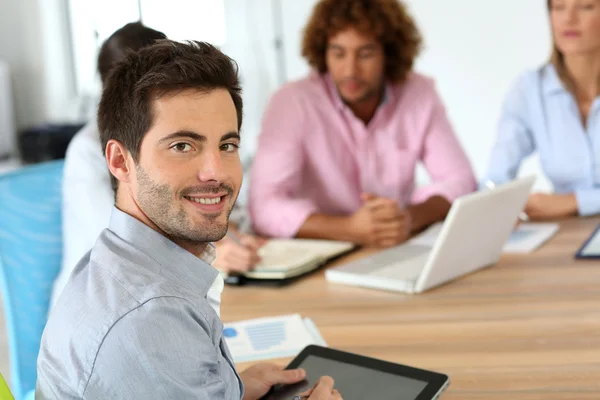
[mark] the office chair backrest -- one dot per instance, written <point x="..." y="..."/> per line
<point x="30" y="257"/>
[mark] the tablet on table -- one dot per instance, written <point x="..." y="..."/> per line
<point x="358" y="377"/>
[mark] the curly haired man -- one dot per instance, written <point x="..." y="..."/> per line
<point x="338" y="150"/>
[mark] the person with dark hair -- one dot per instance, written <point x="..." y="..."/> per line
<point x="554" y="110"/>
<point x="139" y="317"/>
<point x="338" y="150"/>
<point x="131" y="37"/>
<point x="87" y="194"/>
<point x="86" y="188"/>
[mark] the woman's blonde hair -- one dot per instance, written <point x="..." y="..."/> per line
<point x="558" y="60"/>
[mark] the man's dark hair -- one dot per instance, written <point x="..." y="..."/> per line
<point x="125" y="113"/>
<point x="130" y="37"/>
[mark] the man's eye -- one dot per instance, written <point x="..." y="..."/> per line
<point x="182" y="147"/>
<point x="230" y="147"/>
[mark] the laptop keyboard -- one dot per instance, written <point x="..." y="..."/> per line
<point x="407" y="270"/>
<point x="405" y="261"/>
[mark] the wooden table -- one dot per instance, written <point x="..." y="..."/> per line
<point x="526" y="328"/>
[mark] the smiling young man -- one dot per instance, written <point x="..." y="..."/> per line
<point x="338" y="150"/>
<point x="140" y="318"/>
<point x="88" y="196"/>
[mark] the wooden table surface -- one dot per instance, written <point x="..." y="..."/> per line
<point x="525" y="328"/>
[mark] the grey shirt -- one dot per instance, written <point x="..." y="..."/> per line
<point x="134" y="322"/>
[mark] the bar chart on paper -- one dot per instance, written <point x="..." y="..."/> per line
<point x="268" y="338"/>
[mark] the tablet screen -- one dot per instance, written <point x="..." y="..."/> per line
<point x="353" y="382"/>
<point x="592" y="247"/>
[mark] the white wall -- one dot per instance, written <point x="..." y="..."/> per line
<point x="35" y="40"/>
<point x="34" y="43"/>
<point x="474" y="49"/>
<point x="61" y="100"/>
<point x="251" y="43"/>
<point x="20" y="47"/>
<point x="7" y="114"/>
<point x="295" y="15"/>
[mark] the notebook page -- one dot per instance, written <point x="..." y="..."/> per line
<point x="286" y="254"/>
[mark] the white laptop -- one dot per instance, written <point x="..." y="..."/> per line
<point x="471" y="238"/>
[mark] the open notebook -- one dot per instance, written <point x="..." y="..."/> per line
<point x="289" y="258"/>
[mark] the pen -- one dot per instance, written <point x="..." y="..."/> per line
<point x="523" y="217"/>
<point x="233" y="278"/>
<point x="233" y="236"/>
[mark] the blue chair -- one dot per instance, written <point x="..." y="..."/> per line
<point x="30" y="257"/>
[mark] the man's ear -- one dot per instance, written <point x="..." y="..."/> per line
<point x="116" y="159"/>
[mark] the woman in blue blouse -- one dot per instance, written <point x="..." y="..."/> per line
<point x="556" y="111"/>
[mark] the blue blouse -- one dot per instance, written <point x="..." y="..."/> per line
<point x="540" y="114"/>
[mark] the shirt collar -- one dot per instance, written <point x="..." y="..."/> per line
<point x="551" y="81"/>
<point x="388" y="95"/>
<point x="178" y="264"/>
<point x="209" y="254"/>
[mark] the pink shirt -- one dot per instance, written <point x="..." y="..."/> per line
<point x="315" y="156"/>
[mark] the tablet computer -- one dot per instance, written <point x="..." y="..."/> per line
<point x="591" y="248"/>
<point x="358" y="378"/>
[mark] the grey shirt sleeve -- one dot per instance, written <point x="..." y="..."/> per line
<point x="158" y="351"/>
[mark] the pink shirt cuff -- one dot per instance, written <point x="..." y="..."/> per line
<point x="281" y="218"/>
<point x="450" y="190"/>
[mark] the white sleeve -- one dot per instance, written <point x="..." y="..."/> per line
<point x="88" y="199"/>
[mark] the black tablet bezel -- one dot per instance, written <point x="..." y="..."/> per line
<point x="580" y="255"/>
<point x="435" y="381"/>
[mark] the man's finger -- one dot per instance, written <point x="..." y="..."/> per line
<point x="287" y="376"/>
<point x="244" y="261"/>
<point x="234" y="267"/>
<point x="365" y="197"/>
<point x="395" y="237"/>
<point x="380" y="202"/>
<point x="385" y="243"/>
<point x="247" y="252"/>
<point x="252" y="242"/>
<point x="387" y="226"/>
<point x="389" y="241"/>
<point x="386" y="213"/>
<point x="232" y="260"/>
<point x="306" y="393"/>
<point x="323" y="388"/>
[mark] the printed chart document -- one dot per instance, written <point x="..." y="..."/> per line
<point x="529" y="237"/>
<point x="269" y="338"/>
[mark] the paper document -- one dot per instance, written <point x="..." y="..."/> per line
<point x="268" y="338"/>
<point x="528" y="237"/>
<point x="525" y="239"/>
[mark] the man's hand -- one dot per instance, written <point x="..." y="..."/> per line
<point x="542" y="206"/>
<point x="259" y="379"/>
<point x="323" y="390"/>
<point x="392" y="224"/>
<point x="380" y="222"/>
<point x="236" y="257"/>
